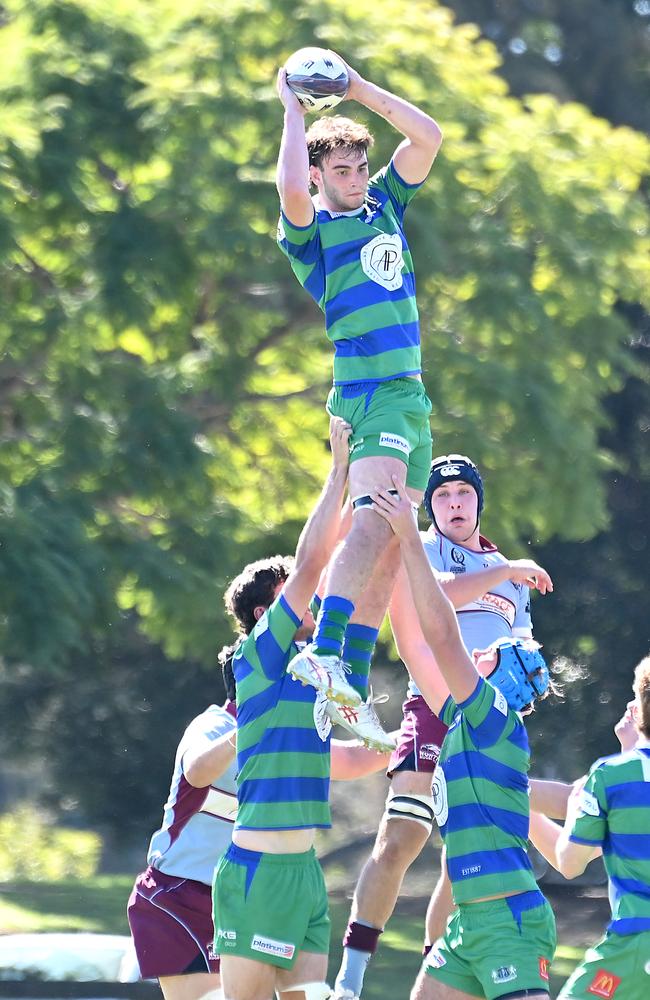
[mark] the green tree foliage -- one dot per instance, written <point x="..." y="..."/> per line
<point x="32" y="850"/>
<point x="162" y="374"/>
<point x="596" y="52"/>
<point x="598" y="625"/>
<point x="106" y="733"/>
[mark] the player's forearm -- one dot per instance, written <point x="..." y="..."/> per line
<point x="412" y="122"/>
<point x="292" y="172"/>
<point x="549" y="797"/>
<point x="351" y="759"/>
<point x="416" y="653"/>
<point x="544" y="834"/>
<point x="435" y="612"/>
<point x="572" y="858"/>
<point x="432" y="686"/>
<point x="466" y="587"/>
<point x="409" y="641"/>
<point x="204" y="766"/>
<point x="321" y="532"/>
<point x="404" y="620"/>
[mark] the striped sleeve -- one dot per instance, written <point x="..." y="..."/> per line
<point x="302" y="245"/>
<point x="448" y="711"/>
<point x="486" y="713"/>
<point x="589" y="821"/>
<point x="265" y="650"/>
<point x="400" y="193"/>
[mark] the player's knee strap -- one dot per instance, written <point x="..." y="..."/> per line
<point x="367" y="501"/>
<point x="312" y="991"/>
<point x="417" y="808"/>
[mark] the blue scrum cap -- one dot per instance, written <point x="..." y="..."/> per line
<point x="521" y="673"/>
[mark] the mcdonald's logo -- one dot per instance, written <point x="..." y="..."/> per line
<point x="604" y="984"/>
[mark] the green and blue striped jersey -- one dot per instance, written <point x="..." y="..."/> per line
<point x="614" y="813"/>
<point x="283" y="735"/>
<point x="358" y="268"/>
<point x="480" y="790"/>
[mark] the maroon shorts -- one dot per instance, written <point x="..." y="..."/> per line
<point x="419" y="739"/>
<point x="171" y="924"/>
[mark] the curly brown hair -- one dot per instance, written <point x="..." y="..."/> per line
<point x="642" y="694"/>
<point x="255" y="586"/>
<point x="335" y="133"/>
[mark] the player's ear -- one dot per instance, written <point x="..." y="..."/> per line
<point x="315" y="175"/>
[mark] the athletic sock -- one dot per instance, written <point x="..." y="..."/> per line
<point x="358" y="648"/>
<point x="359" y="944"/>
<point x="314" y="606"/>
<point x="333" y="617"/>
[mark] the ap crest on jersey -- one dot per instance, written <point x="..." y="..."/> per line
<point x="382" y="261"/>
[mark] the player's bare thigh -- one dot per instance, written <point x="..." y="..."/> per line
<point x="309" y="967"/>
<point x="411" y="782"/>
<point x="197" y="986"/>
<point x="394" y="829"/>
<point x="245" y="979"/>
<point x="375" y="473"/>
<point x="427" y="988"/>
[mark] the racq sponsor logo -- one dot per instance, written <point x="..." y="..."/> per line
<point x="500" y="604"/>
<point x="280" y="949"/>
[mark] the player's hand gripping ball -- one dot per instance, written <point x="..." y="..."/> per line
<point x="318" y="78"/>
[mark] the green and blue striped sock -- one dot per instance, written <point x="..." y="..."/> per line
<point x="358" y="648"/>
<point x="333" y="617"/>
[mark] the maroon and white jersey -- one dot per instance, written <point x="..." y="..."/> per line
<point x="502" y="611"/>
<point x="197" y="822"/>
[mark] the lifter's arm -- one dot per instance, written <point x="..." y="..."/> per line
<point x="292" y="172"/>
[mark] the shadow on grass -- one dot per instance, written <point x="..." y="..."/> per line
<point x="394" y="968"/>
<point x="97" y="904"/>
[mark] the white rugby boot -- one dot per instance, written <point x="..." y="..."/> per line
<point x="363" y="722"/>
<point x="326" y="674"/>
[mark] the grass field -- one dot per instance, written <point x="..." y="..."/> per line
<point x="99" y="905"/>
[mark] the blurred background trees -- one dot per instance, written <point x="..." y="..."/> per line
<point x="163" y="375"/>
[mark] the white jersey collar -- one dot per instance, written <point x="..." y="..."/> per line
<point x="339" y="215"/>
